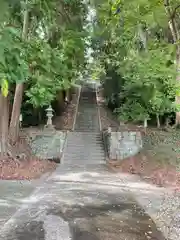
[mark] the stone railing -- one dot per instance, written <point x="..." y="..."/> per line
<point x="106" y="135"/>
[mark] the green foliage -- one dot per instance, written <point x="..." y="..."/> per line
<point x="52" y="55"/>
<point x="96" y="70"/>
<point x="132" y="38"/>
<point x="148" y="83"/>
<point x="13" y="65"/>
<point x="53" y="69"/>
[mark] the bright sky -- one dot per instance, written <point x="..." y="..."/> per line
<point x="90" y="17"/>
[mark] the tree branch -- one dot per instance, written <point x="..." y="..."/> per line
<point x="172" y="22"/>
<point x="174" y="11"/>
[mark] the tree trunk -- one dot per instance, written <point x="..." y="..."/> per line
<point x="176" y="38"/>
<point x="178" y="79"/>
<point x="14" y="124"/>
<point x="68" y="95"/>
<point x="167" y="122"/>
<point x="145" y="124"/>
<point x="158" y="121"/>
<point x="142" y="36"/>
<point x="60" y="100"/>
<point x="4" y="123"/>
<point x="16" y="110"/>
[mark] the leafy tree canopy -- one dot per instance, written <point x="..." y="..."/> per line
<point x="133" y="38"/>
<point x="51" y="56"/>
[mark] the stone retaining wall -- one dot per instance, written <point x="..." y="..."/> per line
<point x="49" y="146"/>
<point x="120" y="145"/>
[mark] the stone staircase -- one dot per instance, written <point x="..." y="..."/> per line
<point x="87" y="119"/>
<point x="84" y="146"/>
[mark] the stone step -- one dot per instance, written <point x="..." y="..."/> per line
<point x="86" y="126"/>
<point x="82" y="139"/>
<point x="88" y="144"/>
<point x="84" y="157"/>
<point x="85" y="150"/>
<point x="85" y="129"/>
<point x="82" y="144"/>
<point x="85" y="146"/>
<point x="98" y="133"/>
<point x="80" y="161"/>
<point x="89" y="156"/>
<point x="95" y="148"/>
<point x="88" y="138"/>
<point x="84" y="135"/>
<point x="87" y="118"/>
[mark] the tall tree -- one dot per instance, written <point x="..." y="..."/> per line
<point x="173" y="17"/>
<point x="14" y="124"/>
<point x="53" y="18"/>
<point x="43" y="48"/>
<point x="132" y="38"/>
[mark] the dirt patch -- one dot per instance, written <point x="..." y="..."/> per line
<point x="159" y="161"/>
<point x="149" y="170"/>
<point x="11" y="169"/>
<point x="66" y="120"/>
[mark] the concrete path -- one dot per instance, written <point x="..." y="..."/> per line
<point x="82" y="200"/>
<point x="12" y="196"/>
<point x="84" y="203"/>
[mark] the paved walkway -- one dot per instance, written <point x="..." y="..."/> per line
<point x="81" y="200"/>
<point x="12" y="195"/>
<point x="83" y="203"/>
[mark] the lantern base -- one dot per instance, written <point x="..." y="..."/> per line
<point x="49" y="127"/>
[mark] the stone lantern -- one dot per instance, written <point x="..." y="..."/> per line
<point x="49" y="115"/>
<point x="109" y="130"/>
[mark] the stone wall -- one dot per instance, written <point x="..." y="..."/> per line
<point x="120" y="145"/>
<point x="49" y="146"/>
